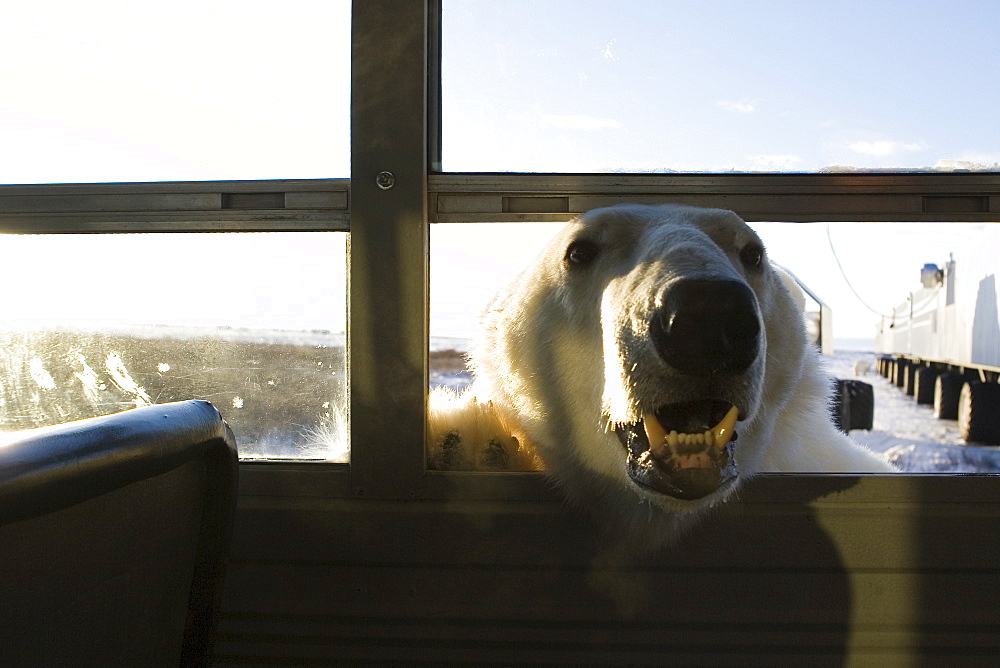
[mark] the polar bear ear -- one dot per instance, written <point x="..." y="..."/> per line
<point x="792" y="284"/>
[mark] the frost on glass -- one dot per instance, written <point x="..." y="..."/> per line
<point x="253" y="323"/>
<point x="695" y="86"/>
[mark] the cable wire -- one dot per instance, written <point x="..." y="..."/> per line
<point x="847" y="280"/>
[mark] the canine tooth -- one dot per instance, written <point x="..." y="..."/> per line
<point x="654" y="430"/>
<point x="723" y="432"/>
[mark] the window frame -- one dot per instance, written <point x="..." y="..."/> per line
<point x="396" y="128"/>
<point x="297" y="205"/>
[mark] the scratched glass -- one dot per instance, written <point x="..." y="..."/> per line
<point x="253" y="322"/>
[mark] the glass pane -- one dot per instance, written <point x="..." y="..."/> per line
<point x="486" y="256"/>
<point x="865" y="270"/>
<point x="695" y="86"/>
<point x="118" y="91"/>
<point x="868" y="274"/>
<point x="253" y="322"/>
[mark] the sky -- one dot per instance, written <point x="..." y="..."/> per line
<point x="125" y="91"/>
<point x="592" y="86"/>
<point x="291" y="281"/>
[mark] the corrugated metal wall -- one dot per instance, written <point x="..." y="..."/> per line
<point x="808" y="570"/>
<point x="957" y="321"/>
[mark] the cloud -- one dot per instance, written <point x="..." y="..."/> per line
<point x="782" y="162"/>
<point x="741" y="107"/>
<point x="980" y="158"/>
<point x="607" y="53"/>
<point x="579" y="122"/>
<point x="982" y="164"/>
<point x="884" y="147"/>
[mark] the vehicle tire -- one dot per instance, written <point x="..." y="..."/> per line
<point x="947" y="388"/>
<point x="910" y="378"/>
<point x="899" y="372"/>
<point x="853" y="405"/>
<point x="862" y="405"/>
<point x="923" y="388"/>
<point x="979" y="413"/>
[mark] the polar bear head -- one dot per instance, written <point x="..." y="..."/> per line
<point x="645" y="355"/>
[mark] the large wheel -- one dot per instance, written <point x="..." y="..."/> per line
<point x="899" y="372"/>
<point x="862" y="402"/>
<point x="979" y="413"/>
<point x="947" y="388"/>
<point x="853" y="405"/>
<point x="890" y="367"/>
<point x="910" y="378"/>
<point x="923" y="388"/>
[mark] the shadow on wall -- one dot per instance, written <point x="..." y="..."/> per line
<point x="986" y="325"/>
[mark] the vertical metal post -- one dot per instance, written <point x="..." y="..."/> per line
<point x="434" y="85"/>
<point x="389" y="247"/>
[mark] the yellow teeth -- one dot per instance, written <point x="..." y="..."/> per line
<point x="723" y="432"/>
<point x="718" y="436"/>
<point x="654" y="431"/>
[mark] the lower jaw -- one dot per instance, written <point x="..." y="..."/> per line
<point x="685" y="484"/>
<point x="682" y="466"/>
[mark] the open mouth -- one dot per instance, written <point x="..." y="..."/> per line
<point x="683" y="450"/>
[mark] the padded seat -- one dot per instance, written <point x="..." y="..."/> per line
<point x="114" y="535"/>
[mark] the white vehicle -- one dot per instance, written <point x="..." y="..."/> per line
<point x="942" y="344"/>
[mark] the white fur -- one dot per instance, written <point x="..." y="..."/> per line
<point x="564" y="355"/>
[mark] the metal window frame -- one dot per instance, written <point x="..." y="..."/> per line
<point x="876" y="197"/>
<point x="396" y="128"/>
<point x="303" y="205"/>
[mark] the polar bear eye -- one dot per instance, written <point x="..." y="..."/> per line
<point x="752" y="256"/>
<point x="582" y="252"/>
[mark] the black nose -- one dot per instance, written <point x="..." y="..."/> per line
<point x="707" y="326"/>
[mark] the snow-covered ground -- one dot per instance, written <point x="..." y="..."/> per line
<point x="909" y="433"/>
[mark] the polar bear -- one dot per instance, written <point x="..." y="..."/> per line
<point x="652" y="356"/>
